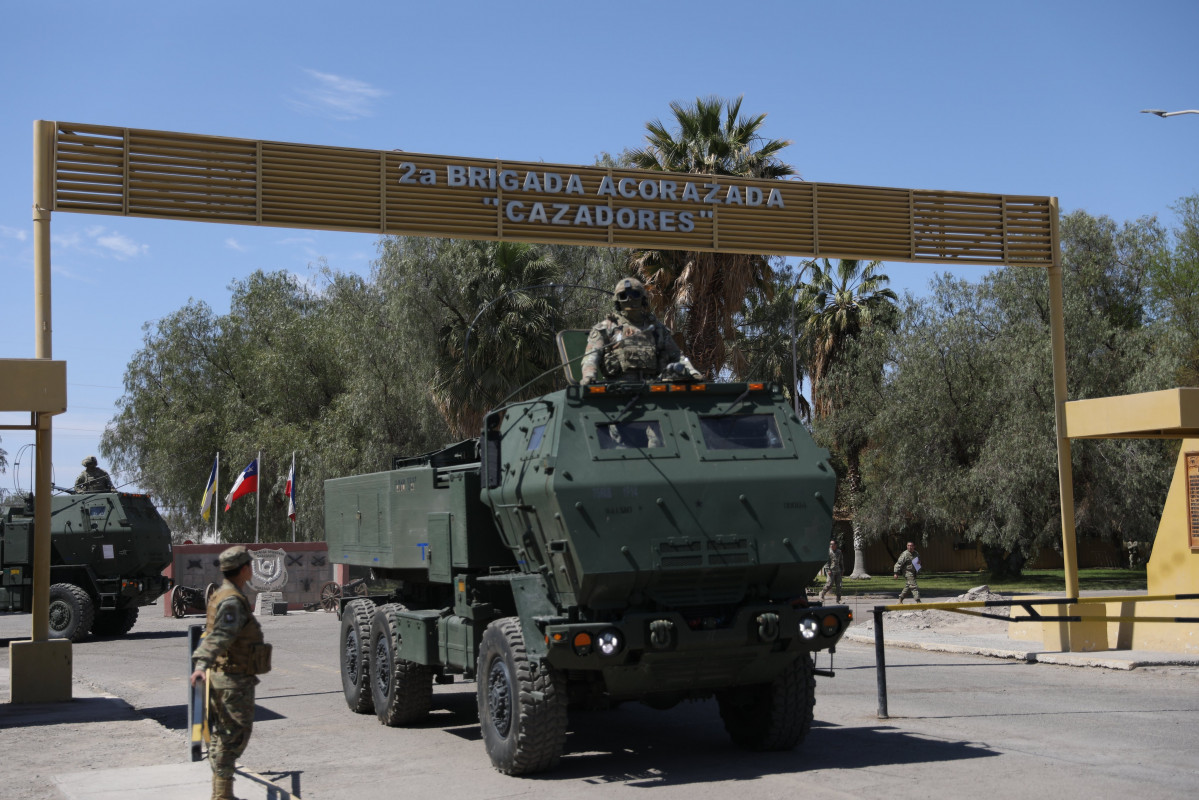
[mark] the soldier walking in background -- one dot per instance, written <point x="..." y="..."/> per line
<point x="92" y="479"/>
<point x="233" y="654"/>
<point x="834" y="569"/>
<point x="908" y="565"/>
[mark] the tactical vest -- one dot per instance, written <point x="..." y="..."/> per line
<point x="632" y="349"/>
<point x="239" y="658"/>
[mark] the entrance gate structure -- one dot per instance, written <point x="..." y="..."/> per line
<point x="97" y="169"/>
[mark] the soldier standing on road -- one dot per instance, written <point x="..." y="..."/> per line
<point x="234" y="654"/>
<point x="631" y="345"/>
<point x="908" y="565"/>
<point x="834" y="569"/>
<point x="92" y="479"/>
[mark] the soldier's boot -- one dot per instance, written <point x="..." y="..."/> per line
<point x="222" y="788"/>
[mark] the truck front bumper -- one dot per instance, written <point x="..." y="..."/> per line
<point x="666" y="651"/>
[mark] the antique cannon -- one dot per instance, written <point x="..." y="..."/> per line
<point x="185" y="599"/>
<point x="331" y="592"/>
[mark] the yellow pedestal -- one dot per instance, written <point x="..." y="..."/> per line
<point x="40" y="671"/>
<point x="1086" y="636"/>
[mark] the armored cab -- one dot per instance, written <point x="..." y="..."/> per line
<point x="108" y="551"/>
<point x="641" y="541"/>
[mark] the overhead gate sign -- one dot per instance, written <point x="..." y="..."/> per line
<point x="142" y="173"/>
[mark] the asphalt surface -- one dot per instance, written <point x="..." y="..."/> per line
<point x="960" y="724"/>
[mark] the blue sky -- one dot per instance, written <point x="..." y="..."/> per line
<point x="1016" y="97"/>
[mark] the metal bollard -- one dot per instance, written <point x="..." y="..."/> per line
<point x="880" y="662"/>
<point x="195" y="698"/>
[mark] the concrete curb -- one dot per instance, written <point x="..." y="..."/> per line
<point x="1109" y="659"/>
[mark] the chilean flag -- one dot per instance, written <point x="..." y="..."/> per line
<point x="246" y="483"/>
<point x="290" y="491"/>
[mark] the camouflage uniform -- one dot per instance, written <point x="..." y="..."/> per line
<point x="905" y="567"/>
<point x="92" y="479"/>
<point x="230" y="635"/>
<point x="835" y="568"/>
<point x="631" y="345"/>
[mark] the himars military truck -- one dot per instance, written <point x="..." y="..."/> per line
<point x="603" y="543"/>
<point x="108" y="551"/>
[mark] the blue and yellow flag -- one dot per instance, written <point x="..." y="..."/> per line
<point x="209" y="492"/>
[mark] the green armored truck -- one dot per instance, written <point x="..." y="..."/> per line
<point x="108" y="551"/>
<point x="604" y="543"/>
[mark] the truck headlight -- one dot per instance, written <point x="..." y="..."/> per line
<point x="609" y="642"/>
<point x="808" y="627"/>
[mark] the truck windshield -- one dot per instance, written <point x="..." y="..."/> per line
<point x="619" y="435"/>
<point x="741" y="432"/>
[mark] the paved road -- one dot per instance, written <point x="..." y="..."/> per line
<point x="960" y="726"/>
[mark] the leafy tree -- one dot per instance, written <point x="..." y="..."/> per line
<point x="839" y="303"/>
<point x="348" y="374"/>
<point x="963" y="442"/>
<point x="1174" y="286"/>
<point x="701" y="295"/>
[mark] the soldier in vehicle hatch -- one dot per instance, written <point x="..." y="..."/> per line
<point x="631" y="345"/>
<point x="92" y="479"/>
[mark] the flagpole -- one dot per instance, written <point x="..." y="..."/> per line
<point x="293" y="492"/>
<point x="216" y="499"/>
<point x="257" y="496"/>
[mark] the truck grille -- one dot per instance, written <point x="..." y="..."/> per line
<point x="692" y="589"/>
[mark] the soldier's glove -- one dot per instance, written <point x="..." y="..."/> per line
<point x="683" y="371"/>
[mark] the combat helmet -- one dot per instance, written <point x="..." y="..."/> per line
<point x="90" y="461"/>
<point x="630" y="295"/>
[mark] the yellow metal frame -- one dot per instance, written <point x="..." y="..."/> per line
<point x="144" y="173"/>
<point x="100" y="169"/>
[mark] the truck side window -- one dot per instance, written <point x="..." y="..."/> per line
<point x="741" y="432"/>
<point x="536" y="437"/>
<point x="620" y="435"/>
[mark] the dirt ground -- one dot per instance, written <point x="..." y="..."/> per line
<point x="952" y="621"/>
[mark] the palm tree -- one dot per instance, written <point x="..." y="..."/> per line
<point x="699" y="295"/>
<point x="840" y="302"/>
<point x="511" y="342"/>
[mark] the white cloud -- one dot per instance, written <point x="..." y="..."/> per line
<point x="67" y="241"/>
<point x="336" y="97"/>
<point x="297" y="240"/>
<point x="13" y="233"/>
<point x="98" y="240"/>
<point x="121" y="246"/>
<point x="233" y="244"/>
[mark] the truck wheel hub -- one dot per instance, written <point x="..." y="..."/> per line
<point x="499" y="696"/>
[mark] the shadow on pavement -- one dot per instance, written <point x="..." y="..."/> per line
<point x="79" y="710"/>
<point x="682" y="762"/>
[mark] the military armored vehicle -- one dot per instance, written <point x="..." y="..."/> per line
<point x="108" y="551"/>
<point x="605" y="543"/>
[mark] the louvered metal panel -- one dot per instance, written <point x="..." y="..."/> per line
<point x="107" y="170"/>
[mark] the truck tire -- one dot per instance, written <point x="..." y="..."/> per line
<point x="72" y="612"/>
<point x="402" y="690"/>
<point x="522" y="703"/>
<point x="354" y="643"/>
<point x="772" y="716"/>
<point x="115" y="623"/>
